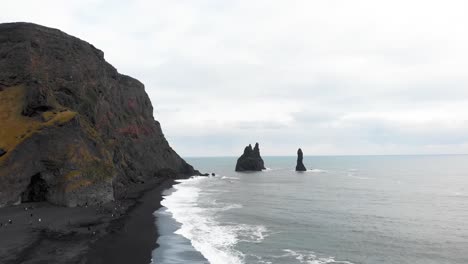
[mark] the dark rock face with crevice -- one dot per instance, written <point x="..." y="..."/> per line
<point x="300" y="165"/>
<point x="250" y="160"/>
<point x="36" y="191"/>
<point x="70" y="117"/>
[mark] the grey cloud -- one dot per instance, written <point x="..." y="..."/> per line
<point x="336" y="77"/>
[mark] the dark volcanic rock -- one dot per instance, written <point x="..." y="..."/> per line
<point x="250" y="160"/>
<point x="74" y="130"/>
<point x="300" y="166"/>
<point x="166" y="173"/>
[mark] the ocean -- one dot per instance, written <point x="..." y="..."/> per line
<point x="344" y="209"/>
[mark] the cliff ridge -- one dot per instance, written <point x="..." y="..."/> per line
<point x="73" y="129"/>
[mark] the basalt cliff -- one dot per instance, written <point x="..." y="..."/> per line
<point x="73" y="130"/>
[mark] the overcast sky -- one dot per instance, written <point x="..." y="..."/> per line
<point x="332" y="77"/>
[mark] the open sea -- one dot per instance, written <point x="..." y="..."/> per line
<point x="344" y="209"/>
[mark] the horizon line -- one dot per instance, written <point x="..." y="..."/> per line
<point x="332" y="155"/>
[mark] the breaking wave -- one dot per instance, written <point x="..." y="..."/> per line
<point x="214" y="239"/>
<point x="309" y="257"/>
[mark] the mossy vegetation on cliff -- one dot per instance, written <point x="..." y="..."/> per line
<point x="17" y="127"/>
<point x="70" y="116"/>
<point x="90" y="168"/>
<point x="98" y="171"/>
<point x="92" y="173"/>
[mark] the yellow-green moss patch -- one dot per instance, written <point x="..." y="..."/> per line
<point x="15" y="127"/>
<point x="47" y="116"/>
<point x="98" y="171"/>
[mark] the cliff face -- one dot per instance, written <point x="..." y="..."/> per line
<point x="250" y="160"/>
<point x="72" y="129"/>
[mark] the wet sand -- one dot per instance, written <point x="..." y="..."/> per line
<point x="133" y="237"/>
<point x="123" y="231"/>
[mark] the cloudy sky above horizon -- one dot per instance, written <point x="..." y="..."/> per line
<point x="333" y="77"/>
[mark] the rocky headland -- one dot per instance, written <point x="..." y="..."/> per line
<point x="300" y="165"/>
<point x="250" y="160"/>
<point x="75" y="133"/>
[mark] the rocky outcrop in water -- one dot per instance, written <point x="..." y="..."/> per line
<point x="250" y="160"/>
<point x="300" y="166"/>
<point x="73" y="130"/>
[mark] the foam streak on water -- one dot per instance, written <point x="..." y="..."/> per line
<point x="311" y="258"/>
<point x="199" y="223"/>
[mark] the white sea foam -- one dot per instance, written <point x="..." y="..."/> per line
<point x="310" y="257"/>
<point x="270" y="169"/>
<point x="317" y="171"/>
<point x="214" y="239"/>
<point x="229" y="178"/>
<point x="229" y="207"/>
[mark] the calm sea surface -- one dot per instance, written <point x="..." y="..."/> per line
<point x="349" y="209"/>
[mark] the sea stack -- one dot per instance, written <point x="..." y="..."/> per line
<point x="250" y="160"/>
<point x="74" y="130"/>
<point x="300" y="166"/>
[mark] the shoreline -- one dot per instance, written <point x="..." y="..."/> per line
<point x="123" y="231"/>
<point x="132" y="238"/>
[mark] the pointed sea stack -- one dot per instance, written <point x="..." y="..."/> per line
<point x="250" y="160"/>
<point x="300" y="166"/>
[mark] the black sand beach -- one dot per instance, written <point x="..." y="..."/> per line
<point x="132" y="238"/>
<point x="119" y="232"/>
